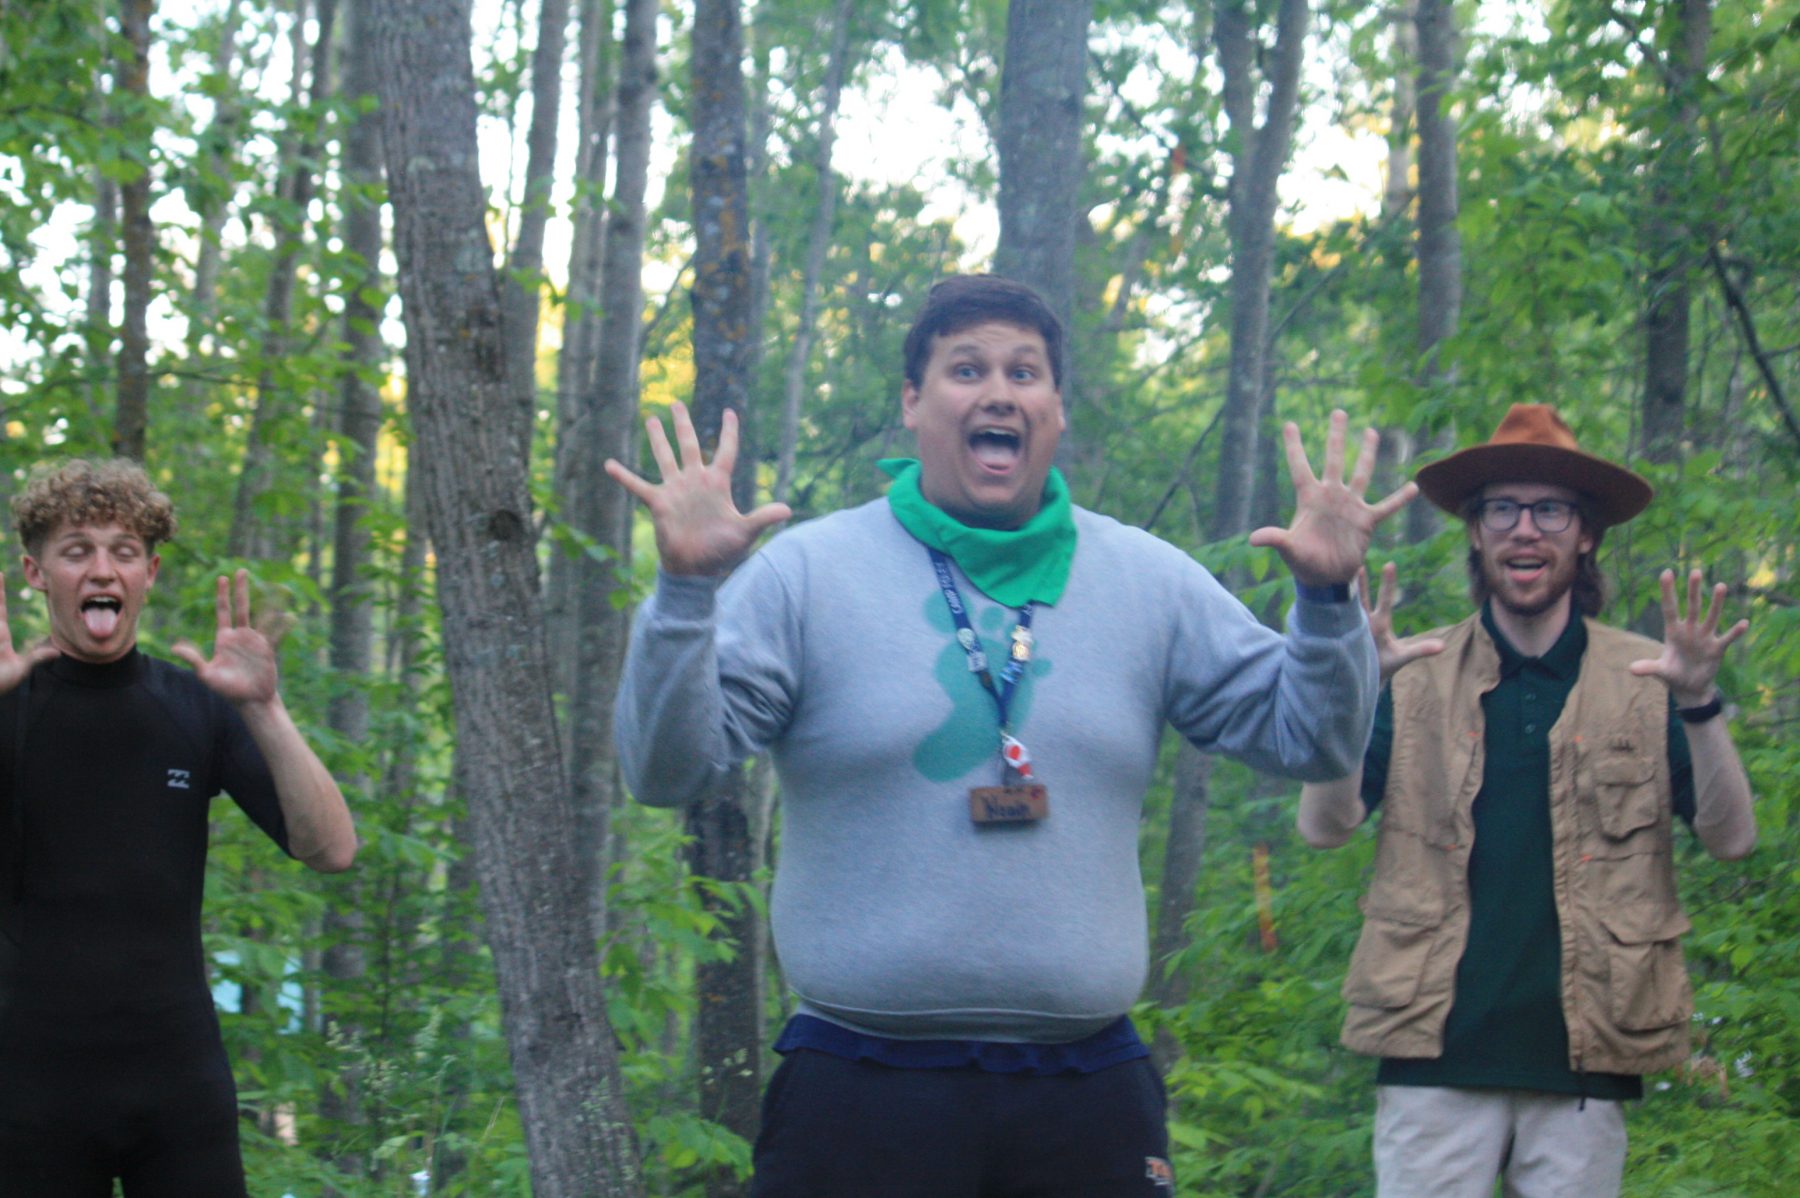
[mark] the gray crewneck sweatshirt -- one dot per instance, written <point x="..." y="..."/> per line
<point x="892" y="911"/>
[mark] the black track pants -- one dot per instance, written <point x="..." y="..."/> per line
<point x="837" y="1128"/>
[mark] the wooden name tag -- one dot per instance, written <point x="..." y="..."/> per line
<point x="1008" y="804"/>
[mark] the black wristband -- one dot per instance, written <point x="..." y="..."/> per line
<point x="1331" y="592"/>
<point x="1704" y="712"/>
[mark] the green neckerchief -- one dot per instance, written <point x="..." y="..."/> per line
<point x="1014" y="566"/>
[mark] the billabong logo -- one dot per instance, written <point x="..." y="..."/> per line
<point x="180" y="780"/>
<point x="1159" y="1173"/>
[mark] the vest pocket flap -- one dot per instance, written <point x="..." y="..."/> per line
<point x="1389" y="963"/>
<point x="1641" y="923"/>
<point x="1621" y="769"/>
<point x="1646" y="984"/>
<point x="1622" y="785"/>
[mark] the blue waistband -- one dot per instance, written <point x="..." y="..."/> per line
<point x="1113" y="1044"/>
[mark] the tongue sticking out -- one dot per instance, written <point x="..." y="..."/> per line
<point x="100" y="620"/>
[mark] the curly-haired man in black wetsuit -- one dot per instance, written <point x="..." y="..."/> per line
<point x="111" y="1066"/>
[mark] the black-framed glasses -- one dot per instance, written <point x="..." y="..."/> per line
<point x="1549" y="515"/>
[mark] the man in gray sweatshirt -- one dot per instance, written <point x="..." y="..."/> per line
<point x="963" y="686"/>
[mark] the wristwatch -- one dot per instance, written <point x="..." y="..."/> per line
<point x="1704" y="712"/>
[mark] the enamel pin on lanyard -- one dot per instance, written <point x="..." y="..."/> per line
<point x="1019" y="798"/>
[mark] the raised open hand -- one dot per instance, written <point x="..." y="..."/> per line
<point x="1392" y="652"/>
<point x="1332" y="522"/>
<point x="699" y="529"/>
<point x="15" y="666"/>
<point x="242" y="667"/>
<point x="1693" y="646"/>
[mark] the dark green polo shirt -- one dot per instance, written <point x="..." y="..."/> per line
<point x="1506" y="1026"/>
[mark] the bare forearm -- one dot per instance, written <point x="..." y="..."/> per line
<point x="1331" y="811"/>
<point x="320" y="831"/>
<point x="1724" y="818"/>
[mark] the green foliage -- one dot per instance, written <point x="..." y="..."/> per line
<point x="380" y="978"/>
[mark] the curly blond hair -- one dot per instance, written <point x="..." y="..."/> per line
<point x="115" y="491"/>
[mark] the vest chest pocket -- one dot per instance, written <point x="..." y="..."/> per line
<point x="1620" y="785"/>
<point x="1647" y="983"/>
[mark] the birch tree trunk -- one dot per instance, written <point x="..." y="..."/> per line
<point x="508" y="765"/>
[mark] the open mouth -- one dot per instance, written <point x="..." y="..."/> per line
<point x="996" y="448"/>
<point x="1525" y="569"/>
<point x="100" y="615"/>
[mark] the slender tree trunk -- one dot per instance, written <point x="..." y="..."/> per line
<point x="1038" y="141"/>
<point x="352" y="635"/>
<point x="607" y="428"/>
<point x="132" y="414"/>
<point x="581" y="324"/>
<point x="818" y="242"/>
<point x="249" y="537"/>
<point x="523" y="283"/>
<point x="1439" y="244"/>
<point x="1671" y="246"/>
<point x="1256" y="169"/>
<point x="207" y="196"/>
<point x="571" y="1102"/>
<point x="1395" y="453"/>
<point x="726" y="1026"/>
<point x="1188" y="804"/>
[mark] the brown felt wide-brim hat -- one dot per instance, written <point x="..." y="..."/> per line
<point x="1533" y="445"/>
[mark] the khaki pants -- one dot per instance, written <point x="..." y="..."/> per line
<point x="1432" y="1142"/>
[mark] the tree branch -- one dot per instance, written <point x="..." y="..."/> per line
<point x="1747" y="326"/>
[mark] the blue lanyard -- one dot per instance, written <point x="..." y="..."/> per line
<point x="1017" y="657"/>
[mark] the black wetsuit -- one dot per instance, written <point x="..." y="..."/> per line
<point x="110" y="1059"/>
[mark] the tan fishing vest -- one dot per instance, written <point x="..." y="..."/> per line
<point x="1625" y="991"/>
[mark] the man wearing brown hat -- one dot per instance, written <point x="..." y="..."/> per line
<point x="1520" y="966"/>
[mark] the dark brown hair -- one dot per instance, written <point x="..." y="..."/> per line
<point x="115" y="491"/>
<point x="964" y="301"/>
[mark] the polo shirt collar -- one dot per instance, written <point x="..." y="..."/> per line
<point x="1561" y="660"/>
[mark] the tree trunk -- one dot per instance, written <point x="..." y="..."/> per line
<point x="1395" y="454"/>
<point x="352" y="634"/>
<point x="132" y="414"/>
<point x="818" y="242"/>
<point x="581" y="324"/>
<point x="726" y="1040"/>
<point x="1038" y="142"/>
<point x="566" y="1075"/>
<point x="1670" y="241"/>
<point x="1188" y="805"/>
<point x="607" y="428"/>
<point x="249" y="536"/>
<point x="1256" y="169"/>
<point x="523" y="283"/>
<point x="209" y="200"/>
<point x="1440" y="244"/>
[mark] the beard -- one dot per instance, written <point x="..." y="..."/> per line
<point x="1527" y="600"/>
